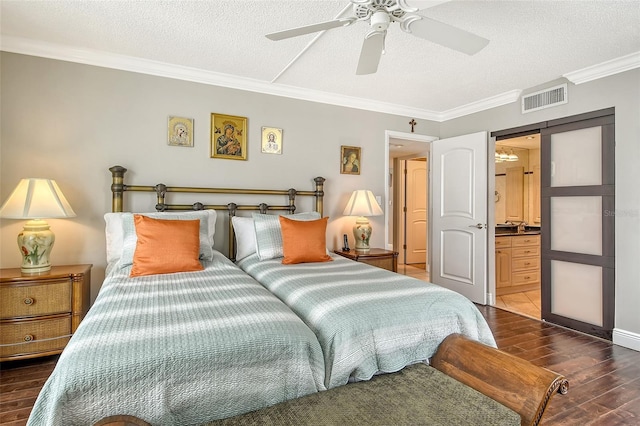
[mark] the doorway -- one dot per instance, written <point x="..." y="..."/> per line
<point x="518" y="225"/>
<point x="406" y="220"/>
<point x="457" y="211"/>
<point x="576" y="248"/>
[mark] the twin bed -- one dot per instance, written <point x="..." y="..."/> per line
<point x="231" y="337"/>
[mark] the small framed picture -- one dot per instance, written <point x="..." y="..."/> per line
<point x="350" y="160"/>
<point x="228" y="137"/>
<point x="271" y="140"/>
<point x="180" y="131"/>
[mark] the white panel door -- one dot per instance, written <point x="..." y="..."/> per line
<point x="459" y="214"/>
<point x="416" y="213"/>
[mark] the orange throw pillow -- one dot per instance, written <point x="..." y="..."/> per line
<point x="165" y="246"/>
<point x="304" y="241"/>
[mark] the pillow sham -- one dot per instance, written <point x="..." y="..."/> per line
<point x="113" y="235"/>
<point x="206" y="232"/>
<point x="165" y="246"/>
<point x="269" y="233"/>
<point x="245" y="236"/>
<point x="304" y="241"/>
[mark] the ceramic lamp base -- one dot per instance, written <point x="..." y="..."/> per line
<point x="35" y="243"/>
<point x="362" y="233"/>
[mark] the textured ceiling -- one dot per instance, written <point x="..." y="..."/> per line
<point x="531" y="42"/>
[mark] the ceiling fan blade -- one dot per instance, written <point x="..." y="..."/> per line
<point x="307" y="29"/>
<point x="444" y="34"/>
<point x="372" y="48"/>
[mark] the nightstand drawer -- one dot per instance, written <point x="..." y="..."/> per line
<point x="44" y="298"/>
<point x="33" y="336"/>
<point x="384" y="263"/>
<point x="385" y="259"/>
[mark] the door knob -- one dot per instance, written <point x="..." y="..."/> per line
<point x="478" y="225"/>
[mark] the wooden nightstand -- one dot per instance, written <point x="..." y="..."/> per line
<point x="39" y="313"/>
<point x="385" y="259"/>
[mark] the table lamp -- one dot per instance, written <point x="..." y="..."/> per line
<point x="36" y="199"/>
<point x="362" y="204"/>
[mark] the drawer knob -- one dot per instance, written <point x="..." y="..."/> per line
<point x="527" y="278"/>
<point x="28" y="301"/>
<point x="28" y="338"/>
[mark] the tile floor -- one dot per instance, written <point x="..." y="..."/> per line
<point x="415" y="272"/>
<point x="525" y="303"/>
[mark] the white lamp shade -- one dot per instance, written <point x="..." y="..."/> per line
<point x="362" y="203"/>
<point x="36" y="198"/>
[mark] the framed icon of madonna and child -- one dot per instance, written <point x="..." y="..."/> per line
<point x="350" y="160"/>
<point x="228" y="137"/>
<point x="180" y="131"/>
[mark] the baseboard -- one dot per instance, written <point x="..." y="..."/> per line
<point x="627" y="339"/>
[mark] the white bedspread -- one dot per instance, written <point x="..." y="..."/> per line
<point x="367" y="319"/>
<point x="181" y="349"/>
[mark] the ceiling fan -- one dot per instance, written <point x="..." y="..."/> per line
<point x="379" y="14"/>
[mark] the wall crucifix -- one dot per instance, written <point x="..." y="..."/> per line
<point x="413" y="123"/>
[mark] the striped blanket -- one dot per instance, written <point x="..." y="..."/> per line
<point x="181" y="349"/>
<point x="368" y="320"/>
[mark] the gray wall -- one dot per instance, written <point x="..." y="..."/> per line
<point x="621" y="91"/>
<point x="71" y="122"/>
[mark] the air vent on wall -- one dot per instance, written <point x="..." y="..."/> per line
<point x="545" y="98"/>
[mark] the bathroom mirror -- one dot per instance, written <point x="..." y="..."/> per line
<point x="517" y="180"/>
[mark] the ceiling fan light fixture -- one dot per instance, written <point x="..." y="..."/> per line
<point x="380" y="21"/>
<point x="512" y="156"/>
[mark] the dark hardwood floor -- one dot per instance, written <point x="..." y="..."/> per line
<point x="604" y="379"/>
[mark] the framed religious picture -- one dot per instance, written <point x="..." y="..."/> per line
<point x="271" y="140"/>
<point x="350" y="160"/>
<point x="180" y="131"/>
<point x="228" y="137"/>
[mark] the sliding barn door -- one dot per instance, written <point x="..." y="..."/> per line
<point x="577" y="184"/>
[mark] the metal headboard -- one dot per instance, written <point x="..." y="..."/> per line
<point x="118" y="187"/>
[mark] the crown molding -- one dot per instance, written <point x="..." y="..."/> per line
<point x="605" y="69"/>
<point x="482" y="105"/>
<point x="161" y="69"/>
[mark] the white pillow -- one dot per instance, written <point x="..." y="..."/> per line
<point x="245" y="236"/>
<point x="121" y="235"/>
<point x="269" y="233"/>
<point x="113" y="234"/>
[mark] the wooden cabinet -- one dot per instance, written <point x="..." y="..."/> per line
<point x="39" y="313"/>
<point x="503" y="262"/>
<point x="384" y="259"/>
<point x="517" y="264"/>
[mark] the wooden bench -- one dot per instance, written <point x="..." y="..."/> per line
<point x="466" y="383"/>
